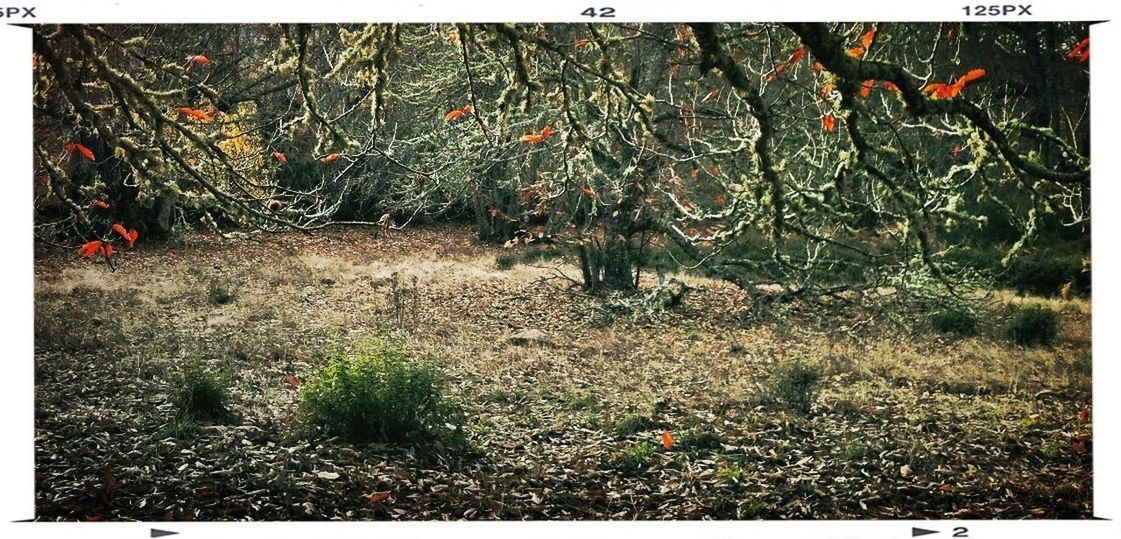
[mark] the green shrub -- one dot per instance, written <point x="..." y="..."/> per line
<point x="632" y="424"/>
<point x="697" y="439"/>
<point x="1034" y="325"/>
<point x="377" y="393"/>
<point x="953" y="320"/>
<point x="220" y="292"/>
<point x="1044" y="273"/>
<point x="505" y="261"/>
<point x="794" y="386"/>
<point x="635" y="456"/>
<point x="200" y="394"/>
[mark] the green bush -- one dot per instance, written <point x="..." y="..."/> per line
<point x="794" y="386"/>
<point x="1034" y="325"/>
<point x="1044" y="273"/>
<point x="635" y="456"/>
<point x="200" y="394"/>
<point x="632" y="424"/>
<point x="505" y="261"/>
<point x="220" y="292"/>
<point x="953" y="320"/>
<point x="697" y="439"/>
<point x="377" y="393"/>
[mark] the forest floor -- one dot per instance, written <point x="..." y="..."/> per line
<point x="908" y="423"/>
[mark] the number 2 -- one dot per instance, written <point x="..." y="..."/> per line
<point x="603" y="12"/>
<point x="961" y="531"/>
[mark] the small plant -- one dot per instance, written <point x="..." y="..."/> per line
<point x="635" y="456"/>
<point x="581" y="401"/>
<point x="505" y="261"/>
<point x="795" y="386"/>
<point x="404" y="298"/>
<point x="631" y="424"/>
<point x="1050" y="449"/>
<point x="732" y="472"/>
<point x="697" y="439"/>
<point x="1034" y="325"/>
<point x="200" y="395"/>
<point x="854" y="450"/>
<point x="954" y="320"/>
<point x="220" y="292"/>
<point x="377" y="393"/>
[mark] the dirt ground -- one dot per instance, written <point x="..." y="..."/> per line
<point x="907" y="424"/>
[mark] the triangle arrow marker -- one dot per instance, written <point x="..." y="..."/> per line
<point x="162" y="533"/>
<point x="919" y="532"/>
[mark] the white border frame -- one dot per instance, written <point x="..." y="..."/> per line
<point x="16" y="314"/>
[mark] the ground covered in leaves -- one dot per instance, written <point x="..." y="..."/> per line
<point x="907" y="423"/>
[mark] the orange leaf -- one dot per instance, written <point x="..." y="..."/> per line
<point x="970" y="76"/>
<point x="719" y="199"/>
<point x="856" y="52"/>
<point x="667" y="439"/>
<point x="890" y="86"/>
<point x="588" y="192"/>
<point x="532" y="138"/>
<point x="99" y="203"/>
<point x="828" y="122"/>
<point x="581" y="42"/>
<point x="132" y="235"/>
<point x="292" y="380"/>
<point x="867" y="38"/>
<point x="120" y="229"/>
<point x="711" y="95"/>
<point x="75" y="147"/>
<point x="89" y="249"/>
<point x="945" y="487"/>
<point x="468" y="109"/>
<point x="546" y="131"/>
<point x="198" y="59"/>
<point x="694" y="172"/>
<point x="453" y="115"/>
<point x="827" y="89"/>
<point x="378" y="497"/>
<point x="280" y="157"/>
<point x="1083" y="414"/>
<point x="818" y="68"/>
<point x="957" y="150"/>
<point x="331" y="157"/>
<point x="866" y="87"/>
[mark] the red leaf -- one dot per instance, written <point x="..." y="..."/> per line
<point x="131" y="237"/>
<point x="532" y="138"/>
<point x="292" y="380"/>
<point x="720" y="199"/>
<point x="331" y="157"/>
<point x="828" y="122"/>
<point x="280" y="157"/>
<point x="866" y="87"/>
<point x="89" y="249"/>
<point x="587" y="191"/>
<point x="581" y="42"/>
<point x="546" y="131"/>
<point x="198" y="59"/>
<point x="99" y="203"/>
<point x="711" y="94"/>
<point x="1081" y="51"/>
<point x="75" y="147"/>
<point x="378" y="497"/>
<point x="667" y="439"/>
<point x="1083" y="414"/>
<point x="451" y="116"/>
<point x="797" y="55"/>
<point x="956" y="151"/>
<point x="856" y="52"/>
<point x="120" y="229"/>
<point x="890" y="86"/>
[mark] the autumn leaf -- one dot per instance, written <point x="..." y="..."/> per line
<point x="818" y="68"/>
<point x="280" y="157"/>
<point x="797" y="55"/>
<point x="1083" y="414"/>
<point x="378" y="497"/>
<point x="827" y="89"/>
<point x="76" y="147"/>
<point x="292" y="380"/>
<point x="131" y="237"/>
<point x="720" y="199"/>
<point x="711" y="94"/>
<point x="970" y="76"/>
<point x="866" y="87"/>
<point x="945" y="487"/>
<point x="587" y="191"/>
<point x="867" y="38"/>
<point x="89" y="249"/>
<point x="120" y="229"/>
<point x="195" y="114"/>
<point x="956" y="151"/>
<point x="856" y="52"/>
<point x="890" y="86"/>
<point x="1080" y="51"/>
<point x="451" y="116"/>
<point x="828" y="122"/>
<point x="667" y="439"/>
<point x="531" y="138"/>
<point x="99" y="203"/>
<point x="468" y="109"/>
<point x="331" y="157"/>
<point x="198" y="59"/>
<point x="581" y="42"/>
<point x="546" y="131"/>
